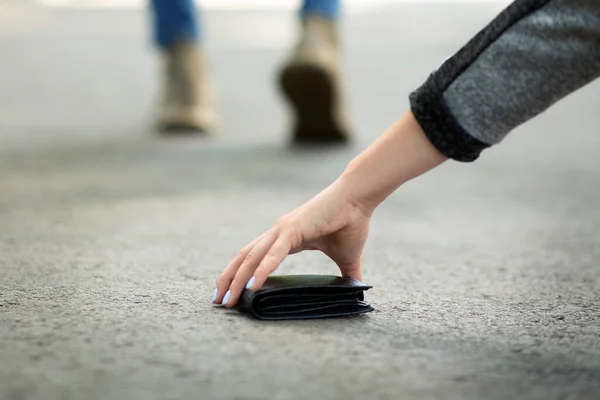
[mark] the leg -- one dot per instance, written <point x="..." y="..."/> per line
<point x="174" y="21"/>
<point x="187" y="104"/>
<point x="311" y="79"/>
<point x="328" y="9"/>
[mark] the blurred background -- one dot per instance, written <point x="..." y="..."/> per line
<point x="70" y="64"/>
<point x="485" y="275"/>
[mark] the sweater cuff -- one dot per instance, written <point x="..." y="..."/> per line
<point x="441" y="127"/>
<point x="427" y="102"/>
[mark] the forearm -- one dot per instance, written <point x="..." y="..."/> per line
<point x="535" y="53"/>
<point x="402" y="153"/>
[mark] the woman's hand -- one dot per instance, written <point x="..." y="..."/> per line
<point x="332" y="222"/>
<point x="336" y="221"/>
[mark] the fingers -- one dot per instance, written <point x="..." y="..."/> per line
<point x="252" y="266"/>
<point x="229" y="273"/>
<point x="247" y="268"/>
<point x="254" y="263"/>
<point x="273" y="259"/>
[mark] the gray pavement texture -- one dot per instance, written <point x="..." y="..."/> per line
<point x="486" y="276"/>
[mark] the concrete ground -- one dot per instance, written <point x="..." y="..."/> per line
<point x="486" y="276"/>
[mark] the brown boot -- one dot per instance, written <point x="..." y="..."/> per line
<point x="187" y="104"/>
<point x="312" y="83"/>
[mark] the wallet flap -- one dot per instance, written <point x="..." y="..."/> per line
<point x="306" y="281"/>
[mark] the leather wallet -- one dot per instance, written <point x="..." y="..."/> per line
<point x="288" y="297"/>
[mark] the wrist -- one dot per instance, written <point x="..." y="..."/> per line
<point x="354" y="183"/>
<point x="402" y="153"/>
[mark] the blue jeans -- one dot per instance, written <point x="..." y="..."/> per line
<point x="176" y="20"/>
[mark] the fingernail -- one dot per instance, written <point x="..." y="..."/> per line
<point x="227" y="296"/>
<point x="250" y="283"/>
<point x="214" y="297"/>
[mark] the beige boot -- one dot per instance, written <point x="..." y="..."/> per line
<point x="312" y="83"/>
<point x="187" y="103"/>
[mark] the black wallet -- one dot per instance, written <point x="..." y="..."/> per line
<point x="305" y="297"/>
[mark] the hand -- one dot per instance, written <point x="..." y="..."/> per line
<point x="336" y="221"/>
<point x="332" y="222"/>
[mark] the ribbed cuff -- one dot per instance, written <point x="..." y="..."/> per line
<point x="428" y="106"/>
<point x="427" y="102"/>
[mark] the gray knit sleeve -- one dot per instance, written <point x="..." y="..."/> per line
<point x="533" y="54"/>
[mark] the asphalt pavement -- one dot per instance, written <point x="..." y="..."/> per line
<point x="486" y="275"/>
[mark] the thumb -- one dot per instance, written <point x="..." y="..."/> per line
<point x="351" y="270"/>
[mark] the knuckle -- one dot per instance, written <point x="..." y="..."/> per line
<point x="287" y="227"/>
<point x="283" y="221"/>
<point x="272" y="255"/>
<point x="294" y="236"/>
<point x="249" y="257"/>
<point x="269" y="262"/>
